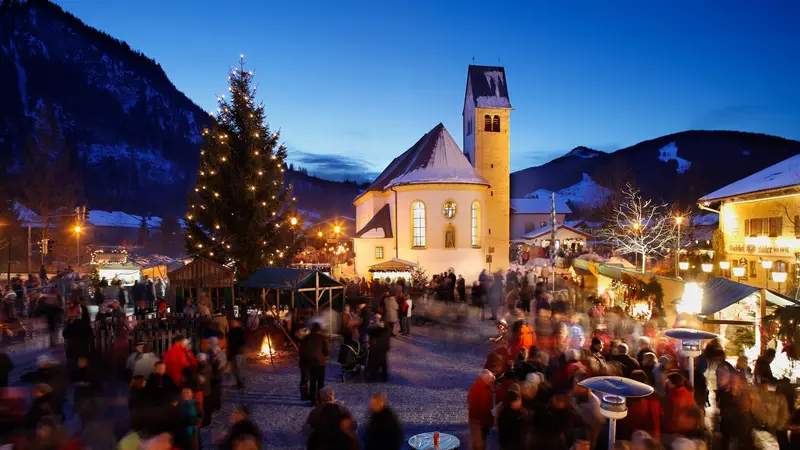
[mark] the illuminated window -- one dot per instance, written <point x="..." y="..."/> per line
<point x="449" y="209"/>
<point x="418" y="210"/>
<point x="475" y="223"/>
<point x="378" y="252"/>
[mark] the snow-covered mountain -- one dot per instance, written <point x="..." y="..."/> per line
<point x="132" y="136"/>
<point x="678" y="168"/>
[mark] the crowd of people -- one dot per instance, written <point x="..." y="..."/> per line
<point x="529" y="387"/>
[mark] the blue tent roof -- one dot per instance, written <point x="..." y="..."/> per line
<point x="719" y="293"/>
<point x="287" y="278"/>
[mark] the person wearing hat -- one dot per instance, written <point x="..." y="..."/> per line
<point x="141" y="361"/>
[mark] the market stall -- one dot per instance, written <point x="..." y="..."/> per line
<point x="393" y="269"/>
<point x="201" y="275"/>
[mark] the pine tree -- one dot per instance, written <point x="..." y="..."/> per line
<point x="242" y="213"/>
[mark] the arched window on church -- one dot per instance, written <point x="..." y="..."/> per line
<point x="475" y="223"/>
<point x="496" y="124"/>
<point x="418" y="224"/>
<point x="487" y="123"/>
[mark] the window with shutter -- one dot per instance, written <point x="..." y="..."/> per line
<point x="487" y="123"/>
<point x="773" y="226"/>
<point x="797" y="226"/>
<point x="747" y="227"/>
<point x="496" y="124"/>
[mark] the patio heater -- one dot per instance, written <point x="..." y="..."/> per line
<point x="614" y="391"/>
<point x="690" y="344"/>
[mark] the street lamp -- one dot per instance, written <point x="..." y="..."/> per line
<point x="678" y="221"/>
<point x="725" y="266"/>
<point x="684" y="265"/>
<point x="738" y="272"/>
<point x="77" y="231"/>
<point x="613" y="392"/>
<point x="779" y="277"/>
<point x="707" y="267"/>
<point x="293" y="221"/>
<point x="767" y="265"/>
<point x="690" y="342"/>
<point x="337" y="229"/>
<point x="319" y="234"/>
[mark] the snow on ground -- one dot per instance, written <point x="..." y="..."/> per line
<point x="669" y="152"/>
<point x="585" y="192"/>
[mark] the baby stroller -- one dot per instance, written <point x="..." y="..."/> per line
<point x="353" y="357"/>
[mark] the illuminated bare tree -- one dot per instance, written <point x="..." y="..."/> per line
<point x="640" y="226"/>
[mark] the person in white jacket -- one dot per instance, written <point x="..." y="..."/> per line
<point x="142" y="361"/>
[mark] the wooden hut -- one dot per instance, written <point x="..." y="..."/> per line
<point x="201" y="275"/>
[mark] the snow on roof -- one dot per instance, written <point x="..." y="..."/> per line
<point x="435" y="158"/>
<point x="539" y="205"/>
<point x="27" y="216"/>
<point x="489" y="88"/>
<point x="546" y="230"/>
<point x="669" y="152"/>
<point x="781" y="175"/>
<point x="379" y="227"/>
<point x="539" y="193"/>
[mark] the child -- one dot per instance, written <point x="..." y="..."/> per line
<point x="190" y="418"/>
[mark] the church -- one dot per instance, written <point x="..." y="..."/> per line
<point x="437" y="206"/>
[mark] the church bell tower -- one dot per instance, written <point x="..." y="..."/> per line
<point x="487" y="112"/>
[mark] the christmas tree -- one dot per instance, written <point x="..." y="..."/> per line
<point x="241" y="212"/>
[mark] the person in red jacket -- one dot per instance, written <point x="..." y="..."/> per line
<point x="677" y="403"/>
<point x="178" y="358"/>
<point x="644" y="413"/>
<point x="480" y="403"/>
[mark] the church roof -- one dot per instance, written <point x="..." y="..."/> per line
<point x="489" y="88"/>
<point x="379" y="227"/>
<point x="434" y="159"/>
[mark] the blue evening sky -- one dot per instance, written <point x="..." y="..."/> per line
<point x="353" y="84"/>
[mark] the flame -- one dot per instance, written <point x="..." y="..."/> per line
<point x="266" y="349"/>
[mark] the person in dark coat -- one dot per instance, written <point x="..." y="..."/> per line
<point x="160" y="387"/>
<point x="378" y="362"/>
<point x="383" y="431"/>
<point x="511" y="423"/>
<point x="628" y="363"/>
<point x="314" y="355"/>
<point x="241" y="426"/>
<point x="236" y="344"/>
<point x="53" y="374"/>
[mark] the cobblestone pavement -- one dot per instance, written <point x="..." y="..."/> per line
<point x="429" y="375"/>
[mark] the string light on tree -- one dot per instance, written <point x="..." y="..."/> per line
<point x="239" y="134"/>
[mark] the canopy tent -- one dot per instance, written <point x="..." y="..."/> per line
<point x="312" y="286"/>
<point x="394" y="268"/>
<point x="720" y="292"/>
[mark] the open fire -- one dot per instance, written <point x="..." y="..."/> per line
<point x="266" y="348"/>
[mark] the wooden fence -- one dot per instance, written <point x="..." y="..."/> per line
<point x="158" y="333"/>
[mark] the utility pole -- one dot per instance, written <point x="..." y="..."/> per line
<point x="29" y="249"/>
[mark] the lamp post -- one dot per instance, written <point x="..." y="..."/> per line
<point x="77" y="230"/>
<point x="725" y="266"/>
<point x="614" y="391"/>
<point x="690" y="344"/>
<point x="738" y="272"/>
<point x="678" y="221"/>
<point x="767" y="265"/>
<point x="684" y="265"/>
<point x="707" y="268"/>
<point x="779" y="277"/>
